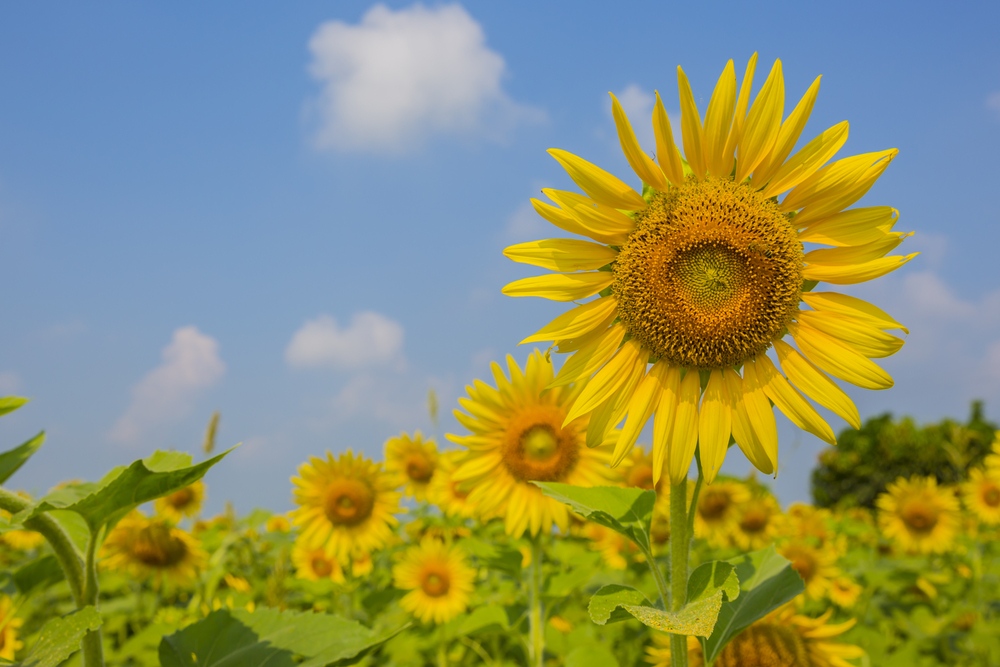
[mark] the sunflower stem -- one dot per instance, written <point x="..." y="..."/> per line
<point x="680" y="545"/>
<point x="93" y="650"/>
<point x="694" y="498"/>
<point x="536" y="613"/>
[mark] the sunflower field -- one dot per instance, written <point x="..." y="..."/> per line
<point x="703" y="304"/>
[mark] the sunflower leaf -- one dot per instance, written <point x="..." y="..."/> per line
<point x="60" y="638"/>
<point x="13" y="459"/>
<point x="625" y="511"/>
<point x="607" y="604"/>
<point x="766" y="582"/>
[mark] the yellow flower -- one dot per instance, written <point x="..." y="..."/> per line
<point x="344" y="504"/>
<point x="757" y="522"/>
<point x="616" y="550"/>
<point x="520" y="434"/>
<point x="9" y="643"/>
<point x="411" y="461"/>
<point x="153" y="549"/>
<point x="314" y="564"/>
<point x="809" y="522"/>
<point x="844" y="592"/>
<point x="816" y="566"/>
<point x="992" y="460"/>
<point x="181" y="503"/>
<point x="783" y="638"/>
<point x="22" y="540"/>
<point x="445" y="492"/>
<point x="918" y="516"/>
<point x="705" y="271"/>
<point x="981" y="494"/>
<point x="278" y="523"/>
<point x="438" y="578"/>
<point x="361" y="563"/>
<point x="637" y="469"/>
<point x="718" y="509"/>
<point x="238" y="584"/>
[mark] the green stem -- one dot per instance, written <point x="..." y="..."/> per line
<point x="536" y="616"/>
<point x="442" y="654"/>
<point x="694" y="498"/>
<point x="680" y="544"/>
<point x="93" y="650"/>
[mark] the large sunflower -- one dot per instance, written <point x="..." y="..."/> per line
<point x="344" y="504"/>
<point x="411" y="460"/>
<point x="918" y="516"/>
<point x="153" y="549"/>
<point x="705" y="271"/>
<point x="520" y="434"/>
<point x="438" y="578"/>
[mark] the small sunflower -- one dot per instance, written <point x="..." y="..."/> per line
<point x="637" y="469"/>
<point x="718" y="509"/>
<point x="17" y="538"/>
<point x="705" y="271"/>
<point x="981" y="494"/>
<point x="314" y="564"/>
<point x="918" y="515"/>
<point x="817" y="566"/>
<point x="181" y="503"/>
<point x="438" y="578"/>
<point x="783" y="638"/>
<point x="757" y="522"/>
<point x="445" y="492"/>
<point x="992" y="459"/>
<point x="809" y="522"/>
<point x="9" y="643"/>
<point x="345" y="504"/>
<point x="520" y="434"/>
<point x="153" y="549"/>
<point x="411" y="461"/>
<point x="844" y="592"/>
<point x="616" y="550"/>
<point x="278" y="523"/>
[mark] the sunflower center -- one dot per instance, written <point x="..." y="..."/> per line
<point x="348" y="502"/>
<point x="459" y="491"/>
<point x="537" y="447"/>
<point x="919" y="517"/>
<point x="156" y="546"/>
<point x="321" y="566"/>
<point x="991" y="496"/>
<point x="435" y="582"/>
<point x="712" y="274"/>
<point x="419" y="468"/>
<point x="765" y="645"/>
<point x="181" y="499"/>
<point x="713" y="504"/>
<point x="641" y="476"/>
<point x="754" y="521"/>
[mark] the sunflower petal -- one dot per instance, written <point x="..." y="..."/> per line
<point x="807" y="161"/>
<point x="640" y="408"/>
<point x="857" y="254"/>
<point x="718" y="120"/>
<point x="870" y="341"/>
<point x="838" y="359"/>
<point x="762" y="125"/>
<point x="691" y="129"/>
<point x="561" y="286"/>
<point x="683" y="438"/>
<point x="576" y="322"/>
<point x="609" y="379"/>
<point x="562" y="254"/>
<point x="715" y="421"/>
<point x="607" y="416"/>
<point x="851" y="274"/>
<point x="790" y="402"/>
<point x="836" y="186"/>
<point x="582" y="364"/>
<point x="739" y="117"/>
<point x="746" y="435"/>
<point x="666" y="149"/>
<point x="601" y="186"/>
<point x="788" y="136"/>
<point x="567" y="221"/>
<point x="853" y="227"/>
<point x="641" y="164"/>
<point x="815" y="384"/>
<point x="853" y="306"/>
<point x="593" y="215"/>
<point x="663" y="423"/>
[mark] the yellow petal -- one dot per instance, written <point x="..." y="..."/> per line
<point x="739" y="117"/>
<point x="562" y="254"/>
<point x="714" y="424"/>
<point x="691" y="129"/>
<point x="608" y="379"/>
<point x="570" y="223"/>
<point x="609" y="414"/>
<point x="641" y="164"/>
<point x="583" y="319"/>
<point x="857" y="254"/>
<point x="641" y="407"/>
<point x="838" y="359"/>
<point x="561" y="286"/>
<point x="808" y="160"/>
<point x="683" y="438"/>
<point x="663" y="423"/>
<point x="601" y="186"/>
<point x="815" y="384"/>
<point x="870" y="341"/>
<point x="853" y="306"/>
<point x="856" y="226"/>
<point x="851" y="274"/>
<point x="666" y="149"/>
<point x="763" y="457"/>
<point x="788" y="136"/>
<point x="836" y="186"/>
<point x="718" y="120"/>
<point x="593" y="215"/>
<point x="582" y="364"/>
<point x="762" y="125"/>
<point x="790" y="402"/>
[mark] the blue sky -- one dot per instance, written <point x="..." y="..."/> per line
<point x="279" y="212"/>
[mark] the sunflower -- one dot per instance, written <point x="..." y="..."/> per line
<point x="17" y="538"/>
<point x="817" y="566"/>
<point x="844" y="592"/>
<point x="637" y="469"/>
<point x="438" y="578"/>
<point x="181" y="503"/>
<point x="918" y="516"/>
<point x="809" y="522"/>
<point x="153" y="549"/>
<point x="783" y="638"/>
<point x="757" y="523"/>
<point x="616" y="550"/>
<point x="718" y="507"/>
<point x="278" y="523"/>
<point x="981" y="494"/>
<point x="520" y="434"/>
<point x="314" y="564"/>
<point x="411" y="460"/>
<point x="9" y="643"/>
<point x="445" y="492"/>
<point x="705" y="271"/>
<point x="344" y="504"/>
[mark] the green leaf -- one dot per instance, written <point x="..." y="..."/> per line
<point x="268" y="637"/>
<point x="11" y="460"/>
<point x="767" y="581"/>
<point x="713" y="576"/>
<point x="592" y="655"/>
<point x="488" y="618"/>
<point x="695" y="618"/>
<point x="37" y="573"/>
<point x="124" y="489"/>
<point x="626" y="511"/>
<point x="60" y="638"/>
<point x="10" y="403"/>
<point x="607" y="603"/>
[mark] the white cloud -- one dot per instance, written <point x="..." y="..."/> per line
<point x="371" y="339"/>
<point x="190" y="365"/>
<point x="10" y="383"/>
<point x="398" y="76"/>
<point x="525" y="224"/>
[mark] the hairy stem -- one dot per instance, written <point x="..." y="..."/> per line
<point x="93" y="651"/>
<point x="680" y="545"/>
<point x="536" y="616"/>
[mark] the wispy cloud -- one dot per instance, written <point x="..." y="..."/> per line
<point x="191" y="364"/>
<point x="398" y="77"/>
<point x="370" y="339"/>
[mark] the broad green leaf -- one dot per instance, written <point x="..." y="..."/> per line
<point x="626" y="511"/>
<point x="37" y="573"/>
<point x="593" y="655"/>
<point x="606" y="605"/>
<point x="267" y="637"/>
<point x="60" y="638"/>
<point x="124" y="489"/>
<point x="10" y="403"/>
<point x="767" y="581"/>
<point x="716" y="575"/>
<point x="494" y="556"/>
<point x="488" y="618"/>
<point x="11" y="460"/>
<point x="694" y="619"/>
